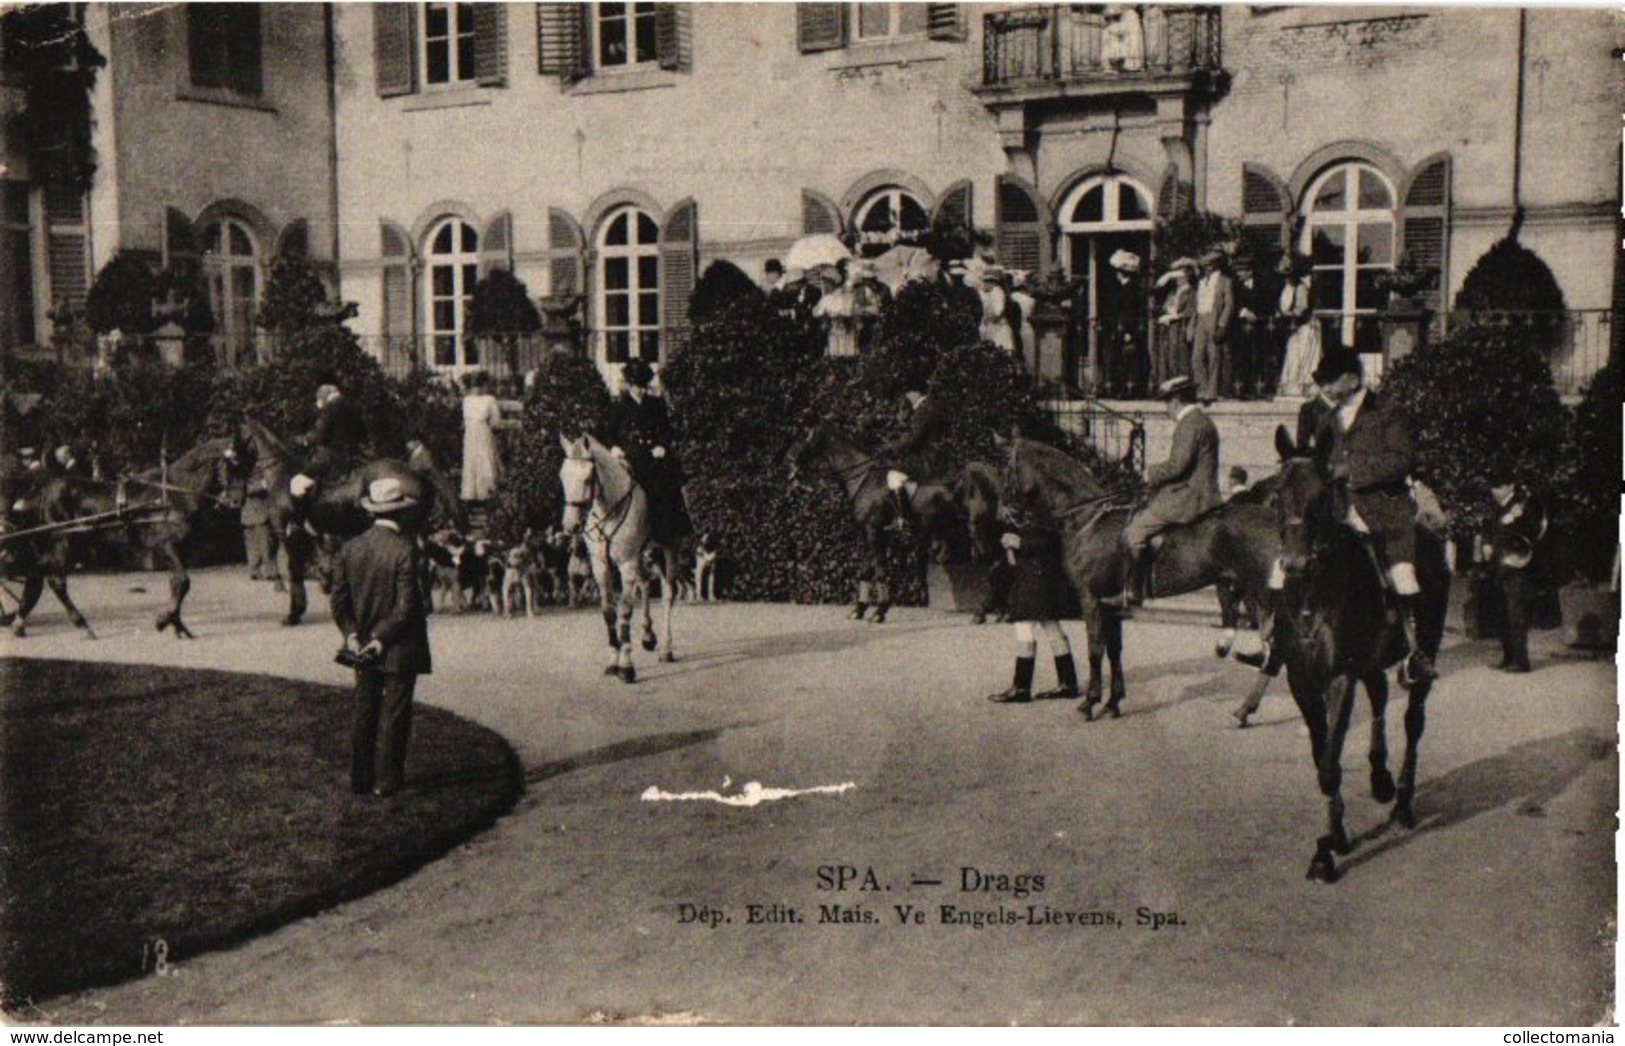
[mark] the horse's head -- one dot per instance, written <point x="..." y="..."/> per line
<point x="233" y="468"/>
<point x="579" y="478"/>
<point x="976" y="493"/>
<point x="806" y="450"/>
<point x="1302" y="496"/>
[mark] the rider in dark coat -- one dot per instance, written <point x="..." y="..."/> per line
<point x="641" y="433"/>
<point x="917" y="455"/>
<point x="1371" y="458"/>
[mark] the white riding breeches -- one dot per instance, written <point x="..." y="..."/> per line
<point x="301" y="485"/>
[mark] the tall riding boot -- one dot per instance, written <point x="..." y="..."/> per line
<point x="1418" y="667"/>
<point x="1021" y="689"/>
<point x="1066" y="673"/>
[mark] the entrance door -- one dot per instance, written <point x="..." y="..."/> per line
<point x="1103" y="215"/>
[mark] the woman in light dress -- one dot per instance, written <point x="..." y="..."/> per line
<point x="1171" y="356"/>
<point x="839" y="309"/>
<point x="1303" y="339"/>
<point x="996" y="309"/>
<point x="481" y="417"/>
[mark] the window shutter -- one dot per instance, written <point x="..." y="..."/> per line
<point x="820" y="27"/>
<point x="394" y="48"/>
<point x="1175" y="197"/>
<point x="206" y="57"/>
<point x="945" y="21"/>
<point x="673" y="36"/>
<point x="246" y="73"/>
<point x="180" y="242"/>
<point x="562" y="41"/>
<point x="819" y="214"/>
<point x="398" y="311"/>
<point x="66" y="242"/>
<point x="491" y="45"/>
<point x="679" y="261"/>
<point x="1425" y="224"/>
<point x="1021" y="226"/>
<point x="1265" y="216"/>
<point x="954" y="209"/>
<point x="565" y="245"/>
<point x="496" y="244"/>
<point x="294" y="241"/>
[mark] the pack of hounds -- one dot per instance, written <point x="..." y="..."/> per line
<point x="546" y="568"/>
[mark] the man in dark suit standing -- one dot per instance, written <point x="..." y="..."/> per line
<point x="1516" y="541"/>
<point x="1180" y="488"/>
<point x="377" y="604"/>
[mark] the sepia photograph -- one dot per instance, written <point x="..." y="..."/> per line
<point x="810" y="514"/>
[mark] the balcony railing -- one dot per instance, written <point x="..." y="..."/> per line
<point x="1057" y="43"/>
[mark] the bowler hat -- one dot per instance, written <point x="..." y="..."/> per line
<point x="385" y="496"/>
<point x="636" y="371"/>
<point x="1335" y="361"/>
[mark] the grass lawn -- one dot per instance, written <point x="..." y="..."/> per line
<point x="142" y="805"/>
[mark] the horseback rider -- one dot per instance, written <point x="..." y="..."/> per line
<point x="1371" y="461"/>
<point x="640" y="433"/>
<point x="915" y="455"/>
<point x="1179" y="489"/>
<point x="339" y="435"/>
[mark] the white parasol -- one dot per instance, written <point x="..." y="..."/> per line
<point x="810" y="252"/>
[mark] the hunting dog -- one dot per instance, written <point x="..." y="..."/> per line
<point x="518" y="580"/>
<point x="706" y="551"/>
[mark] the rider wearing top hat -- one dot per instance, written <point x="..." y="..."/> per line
<point x="1180" y="488"/>
<point x="640" y="433"/>
<point x="1371" y="458"/>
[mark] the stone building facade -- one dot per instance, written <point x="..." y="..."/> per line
<point x="607" y="152"/>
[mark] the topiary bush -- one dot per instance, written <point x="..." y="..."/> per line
<point x="121" y="296"/>
<point x="294" y="295"/>
<point x="1589" y="507"/>
<point x="568" y="397"/>
<point x="721" y="287"/>
<point x="1483" y="408"/>
<point x="501" y="312"/>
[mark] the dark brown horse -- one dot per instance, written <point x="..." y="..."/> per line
<point x="1236" y="544"/>
<point x="1334" y="626"/>
<point x="336" y="514"/>
<point x="153" y="511"/>
<point x="863" y="476"/>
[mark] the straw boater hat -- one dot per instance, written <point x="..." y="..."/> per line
<point x="385" y="496"/>
<point x="1213" y="257"/>
<point x="1126" y="261"/>
<point x="1175" y="387"/>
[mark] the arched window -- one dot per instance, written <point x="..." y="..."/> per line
<point x="629" y="285"/>
<point x="231" y="263"/>
<point x="888" y="216"/>
<point x="452" y="256"/>
<point x="1348" y="233"/>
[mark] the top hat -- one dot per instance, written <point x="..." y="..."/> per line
<point x="636" y="371"/>
<point x="385" y="496"/>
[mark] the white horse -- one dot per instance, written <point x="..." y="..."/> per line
<point x="602" y="501"/>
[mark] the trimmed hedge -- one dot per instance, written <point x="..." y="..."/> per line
<point x="1483" y="408"/>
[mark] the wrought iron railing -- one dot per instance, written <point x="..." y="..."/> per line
<point x="1053" y="43"/>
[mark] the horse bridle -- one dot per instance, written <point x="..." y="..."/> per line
<point x="616" y="511"/>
